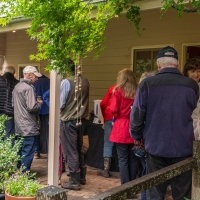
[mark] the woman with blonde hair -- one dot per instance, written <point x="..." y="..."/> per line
<point x="122" y="101"/>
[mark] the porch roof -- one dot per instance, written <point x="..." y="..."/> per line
<point x="19" y="23"/>
<point x="94" y="2"/>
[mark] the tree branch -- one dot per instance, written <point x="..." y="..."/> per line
<point x="186" y="9"/>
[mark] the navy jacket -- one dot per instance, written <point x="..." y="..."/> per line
<point x="41" y="86"/>
<point x="161" y="113"/>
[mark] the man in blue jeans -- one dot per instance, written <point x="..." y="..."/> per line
<point x="161" y="116"/>
<point x="26" y="109"/>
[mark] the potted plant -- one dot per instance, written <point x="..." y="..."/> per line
<point x="21" y="186"/>
<point x="9" y="157"/>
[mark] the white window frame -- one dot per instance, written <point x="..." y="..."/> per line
<point x="184" y="53"/>
<point x="24" y="65"/>
<point x="145" y="47"/>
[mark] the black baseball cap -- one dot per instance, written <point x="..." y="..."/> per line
<point x="162" y="52"/>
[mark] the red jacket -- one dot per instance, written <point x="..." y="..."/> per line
<point x="105" y="105"/>
<point x="121" y="108"/>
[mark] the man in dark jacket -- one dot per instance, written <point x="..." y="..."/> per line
<point x="161" y="116"/>
<point x="41" y="86"/>
<point x="7" y="84"/>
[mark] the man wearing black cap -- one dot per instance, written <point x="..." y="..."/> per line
<point x="161" y="116"/>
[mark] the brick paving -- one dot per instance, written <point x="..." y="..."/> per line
<point x="95" y="184"/>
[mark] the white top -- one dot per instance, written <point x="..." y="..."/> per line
<point x="196" y="120"/>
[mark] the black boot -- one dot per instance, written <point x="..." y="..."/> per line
<point x="105" y="172"/>
<point x="83" y="174"/>
<point x="74" y="182"/>
<point x="68" y="173"/>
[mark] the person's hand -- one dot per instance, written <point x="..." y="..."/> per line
<point x="40" y="101"/>
<point x="137" y="142"/>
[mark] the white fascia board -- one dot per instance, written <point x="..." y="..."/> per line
<point x="16" y="26"/>
<point x="143" y="4"/>
<point x="24" y="24"/>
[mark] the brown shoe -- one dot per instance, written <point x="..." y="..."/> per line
<point x="37" y="155"/>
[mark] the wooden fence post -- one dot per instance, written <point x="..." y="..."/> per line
<point x="51" y="193"/>
<point x="196" y="171"/>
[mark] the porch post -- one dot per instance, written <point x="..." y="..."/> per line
<point x="196" y="171"/>
<point x="54" y="127"/>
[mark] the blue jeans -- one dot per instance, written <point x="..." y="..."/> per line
<point x="9" y="127"/>
<point x="27" y="151"/>
<point x="127" y="162"/>
<point x="181" y="185"/>
<point x="108" y="146"/>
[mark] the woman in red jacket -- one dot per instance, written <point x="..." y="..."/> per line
<point x="122" y="100"/>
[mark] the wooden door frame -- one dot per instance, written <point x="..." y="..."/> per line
<point x="184" y="52"/>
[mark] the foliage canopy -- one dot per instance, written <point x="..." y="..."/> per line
<point x="66" y="28"/>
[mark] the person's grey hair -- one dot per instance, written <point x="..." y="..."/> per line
<point x="167" y="61"/>
<point x="10" y="69"/>
<point x="147" y="74"/>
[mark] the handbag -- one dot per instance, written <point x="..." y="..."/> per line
<point x="139" y="149"/>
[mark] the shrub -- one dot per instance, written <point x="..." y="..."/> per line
<point x="9" y="149"/>
<point x="22" y="184"/>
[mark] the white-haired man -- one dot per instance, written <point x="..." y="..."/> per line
<point x="26" y="108"/>
<point x="7" y="84"/>
<point x="161" y="116"/>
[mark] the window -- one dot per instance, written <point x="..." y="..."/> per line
<point x="144" y="60"/>
<point x="22" y="66"/>
<point x="1" y="61"/>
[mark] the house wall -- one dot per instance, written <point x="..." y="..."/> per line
<point x="2" y="43"/>
<point x="121" y="39"/>
<point x="19" y="47"/>
<point x="120" y="42"/>
<point x="2" y="50"/>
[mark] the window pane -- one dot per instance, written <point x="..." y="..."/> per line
<point x="145" y="60"/>
<point x="142" y="62"/>
<point x="154" y="66"/>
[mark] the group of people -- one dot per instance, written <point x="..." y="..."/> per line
<point x="26" y="102"/>
<point x="161" y="112"/>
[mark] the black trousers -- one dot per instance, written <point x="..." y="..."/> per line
<point x="128" y="162"/>
<point x="181" y="185"/>
<point x="72" y="142"/>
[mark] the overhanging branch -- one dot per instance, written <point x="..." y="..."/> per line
<point x="185" y="9"/>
